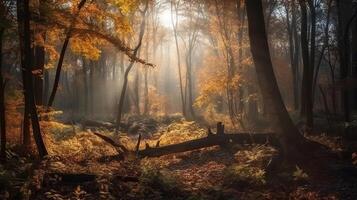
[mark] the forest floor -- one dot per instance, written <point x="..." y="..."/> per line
<point x="83" y="166"/>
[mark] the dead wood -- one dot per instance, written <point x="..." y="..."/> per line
<point x="212" y="140"/>
<point x="119" y="147"/>
<point x="220" y="139"/>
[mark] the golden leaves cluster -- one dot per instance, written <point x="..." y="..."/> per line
<point x="108" y="17"/>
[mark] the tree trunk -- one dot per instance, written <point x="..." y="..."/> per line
<point x="306" y="93"/>
<point x="310" y="101"/>
<point x="293" y="50"/>
<point x="46" y="89"/>
<point x="2" y="106"/>
<point x="91" y="85"/>
<point x="127" y="71"/>
<point x="23" y="14"/>
<point x="136" y="92"/>
<point x="289" y="136"/>
<point x="39" y="68"/>
<point x="344" y="14"/>
<point x="146" y="87"/>
<point x="62" y="54"/>
<point x="85" y="87"/>
<point x="146" y="92"/>
<point x="190" y="85"/>
<point x="296" y="59"/>
<point x="354" y="57"/>
<point x="174" y="8"/>
<point x="26" y="137"/>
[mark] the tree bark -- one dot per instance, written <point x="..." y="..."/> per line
<point x="39" y="66"/>
<point x="46" y="89"/>
<point x="312" y="36"/>
<point x="344" y="14"/>
<point x="146" y="92"/>
<point x="128" y="69"/>
<point x="354" y="56"/>
<point x="293" y="49"/>
<point x="2" y="105"/>
<point x="62" y="54"/>
<point x="136" y="92"/>
<point x="174" y="8"/>
<point x="146" y="86"/>
<point x="85" y="86"/>
<point x="23" y="14"/>
<point x="289" y="136"/>
<point x="91" y="87"/>
<point x="306" y="93"/>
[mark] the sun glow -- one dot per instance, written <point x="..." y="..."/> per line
<point x="165" y="18"/>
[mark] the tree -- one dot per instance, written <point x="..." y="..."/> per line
<point x="63" y="52"/>
<point x="290" y="138"/>
<point x="344" y="13"/>
<point x="2" y="98"/>
<point x="308" y="59"/>
<point x="294" y="48"/>
<point x="128" y="69"/>
<point x="39" y="38"/>
<point x="174" y="11"/>
<point x="23" y="18"/>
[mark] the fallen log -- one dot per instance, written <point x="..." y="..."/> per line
<point x="211" y="140"/>
<point x="119" y="147"/>
<point x="220" y="138"/>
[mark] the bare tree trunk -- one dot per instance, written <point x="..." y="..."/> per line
<point x="310" y="101"/>
<point x="354" y="57"/>
<point x="306" y="93"/>
<point x="68" y="93"/>
<point x="146" y="87"/>
<point x="62" y="54"/>
<point x="127" y="71"/>
<point x="39" y="67"/>
<point x="76" y="88"/>
<point x="26" y="137"/>
<point x="242" y="18"/>
<point x="293" y="49"/>
<point x="146" y="92"/>
<point x="190" y="84"/>
<point x="296" y="58"/>
<point x="324" y="47"/>
<point x="2" y="105"/>
<point x="289" y="136"/>
<point x="85" y="86"/>
<point x="23" y="14"/>
<point x="46" y="88"/>
<point x="333" y="80"/>
<point x="174" y="8"/>
<point x="344" y="14"/>
<point x="136" y="92"/>
<point x="91" y="85"/>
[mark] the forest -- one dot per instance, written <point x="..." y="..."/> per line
<point x="178" y="99"/>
